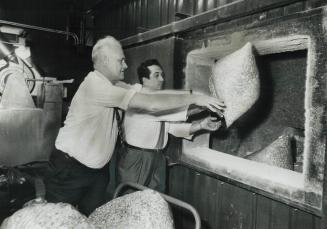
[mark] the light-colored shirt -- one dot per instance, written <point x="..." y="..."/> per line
<point x="90" y="131"/>
<point x="143" y="131"/>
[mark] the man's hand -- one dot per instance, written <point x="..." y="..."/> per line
<point x="210" y="124"/>
<point x="207" y="124"/>
<point x="213" y="104"/>
<point x="194" y="109"/>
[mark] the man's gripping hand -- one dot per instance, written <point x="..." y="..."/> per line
<point x="211" y="103"/>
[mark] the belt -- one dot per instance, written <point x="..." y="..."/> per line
<point x="60" y="154"/>
<point x="138" y="148"/>
<point x="61" y="159"/>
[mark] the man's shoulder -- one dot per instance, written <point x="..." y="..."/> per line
<point x="122" y="84"/>
<point x="93" y="79"/>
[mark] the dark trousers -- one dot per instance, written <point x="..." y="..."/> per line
<point x="142" y="166"/>
<point x="69" y="181"/>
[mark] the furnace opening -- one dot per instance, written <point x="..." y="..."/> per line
<point x="276" y="120"/>
<point x="272" y="130"/>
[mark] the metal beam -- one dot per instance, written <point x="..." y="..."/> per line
<point x="230" y="11"/>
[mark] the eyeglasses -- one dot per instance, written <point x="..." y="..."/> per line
<point x="122" y="61"/>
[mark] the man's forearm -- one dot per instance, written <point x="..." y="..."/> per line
<point x="193" y="110"/>
<point x="169" y="91"/>
<point x="161" y="103"/>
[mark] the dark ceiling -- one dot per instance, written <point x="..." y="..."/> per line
<point x="81" y="5"/>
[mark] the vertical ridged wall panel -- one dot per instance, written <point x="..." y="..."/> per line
<point x="124" y="21"/>
<point x="263" y="212"/>
<point x="171" y="10"/>
<point x="237" y="207"/>
<point x="225" y="206"/>
<point x="206" y="199"/>
<point x="131" y="28"/>
<point x="185" y="6"/>
<point x="301" y="220"/>
<point x="144" y="4"/>
<point x="200" y="6"/>
<point x="203" y="196"/>
<point x="176" y="173"/>
<point x="164" y="15"/>
<point x="138" y="13"/>
<point x="280" y="216"/>
<point x="211" y="4"/>
<point x="141" y="15"/>
<point x="153" y="15"/>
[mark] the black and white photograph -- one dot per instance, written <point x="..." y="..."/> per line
<point x="163" y="114"/>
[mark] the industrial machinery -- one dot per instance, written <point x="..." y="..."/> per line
<point x="30" y="117"/>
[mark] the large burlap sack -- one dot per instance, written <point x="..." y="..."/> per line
<point x="278" y="153"/>
<point x="235" y="80"/>
<point x="47" y="216"/>
<point x="138" y="210"/>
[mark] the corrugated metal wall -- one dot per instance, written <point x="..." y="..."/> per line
<point x="131" y="17"/>
<point x="124" y="18"/>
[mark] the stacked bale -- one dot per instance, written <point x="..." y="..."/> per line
<point x="47" y="216"/>
<point x="139" y="210"/>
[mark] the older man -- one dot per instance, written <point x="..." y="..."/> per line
<point x="85" y="144"/>
<point x="142" y="160"/>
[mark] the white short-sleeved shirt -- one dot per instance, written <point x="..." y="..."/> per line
<point x="143" y="131"/>
<point x="90" y="131"/>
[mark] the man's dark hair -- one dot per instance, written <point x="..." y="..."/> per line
<point x="143" y="71"/>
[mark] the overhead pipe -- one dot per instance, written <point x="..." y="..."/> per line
<point x="73" y="35"/>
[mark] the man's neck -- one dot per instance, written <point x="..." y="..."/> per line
<point x="99" y="72"/>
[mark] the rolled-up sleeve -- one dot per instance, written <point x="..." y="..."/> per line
<point x="181" y="130"/>
<point x="175" y="116"/>
<point x="99" y="92"/>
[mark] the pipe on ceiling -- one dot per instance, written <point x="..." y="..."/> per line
<point x="73" y="35"/>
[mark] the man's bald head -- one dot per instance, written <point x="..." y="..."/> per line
<point x="102" y="47"/>
<point x="109" y="59"/>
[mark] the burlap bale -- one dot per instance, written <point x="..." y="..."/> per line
<point x="138" y="210"/>
<point x="235" y="80"/>
<point x="47" y="216"/>
<point x="278" y="154"/>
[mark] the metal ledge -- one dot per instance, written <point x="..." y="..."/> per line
<point x="285" y="186"/>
